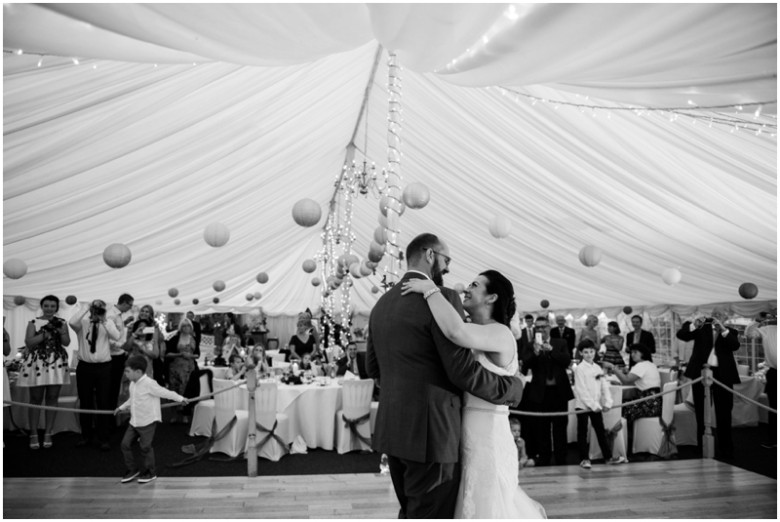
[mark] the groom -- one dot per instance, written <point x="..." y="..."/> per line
<point x="422" y="375"/>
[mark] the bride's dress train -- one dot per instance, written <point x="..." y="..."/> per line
<point x="488" y="486"/>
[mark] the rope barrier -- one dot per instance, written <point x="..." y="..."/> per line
<point x="743" y="397"/>
<point x="635" y="401"/>
<point x="111" y="412"/>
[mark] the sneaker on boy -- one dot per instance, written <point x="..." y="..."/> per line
<point x="146" y="476"/>
<point x="129" y="476"/>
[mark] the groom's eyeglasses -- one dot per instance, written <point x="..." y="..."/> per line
<point x="447" y="259"/>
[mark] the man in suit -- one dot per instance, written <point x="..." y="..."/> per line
<point x="353" y="361"/>
<point x="713" y="344"/>
<point x="564" y="332"/>
<point x="196" y="329"/>
<point x="526" y="336"/>
<point x="548" y="391"/>
<point x="639" y="336"/>
<point x="422" y="375"/>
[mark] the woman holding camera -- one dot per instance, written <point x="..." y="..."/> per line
<point x="44" y="366"/>
<point x="182" y="353"/>
<point x="143" y="339"/>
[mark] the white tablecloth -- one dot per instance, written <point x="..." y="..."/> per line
<point x="743" y="413"/>
<point x="612" y="415"/>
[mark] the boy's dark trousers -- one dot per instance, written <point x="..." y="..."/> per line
<point x="582" y="434"/>
<point x="145" y="436"/>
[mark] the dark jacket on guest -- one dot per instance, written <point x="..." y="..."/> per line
<point x="341" y="365"/>
<point x="702" y="346"/>
<point x="545" y="366"/>
<point x="569" y="335"/>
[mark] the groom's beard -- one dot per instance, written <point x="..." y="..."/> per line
<point x="437" y="278"/>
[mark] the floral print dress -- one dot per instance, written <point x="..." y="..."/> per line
<point x="46" y="363"/>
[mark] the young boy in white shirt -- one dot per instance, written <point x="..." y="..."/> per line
<point x="144" y="406"/>
<point x="590" y="400"/>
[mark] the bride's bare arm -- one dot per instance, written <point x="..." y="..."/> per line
<point x="486" y="338"/>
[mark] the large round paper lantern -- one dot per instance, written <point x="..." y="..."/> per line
<point x="19" y="300"/>
<point x="117" y="255"/>
<point x="177" y="302"/>
<point x="218" y="285"/>
<point x="380" y="235"/>
<point x="307" y="212"/>
<point x="215" y="300"/>
<point x="249" y="297"/>
<point x="416" y="195"/>
<point x="627" y="310"/>
<point x="173" y="292"/>
<point x="748" y="290"/>
<point x="391" y="203"/>
<point x="499" y="226"/>
<point x="309" y="266"/>
<point x="257" y="295"/>
<point x="71" y="300"/>
<point x="374" y="289"/>
<point x="590" y="255"/>
<point x="459" y="288"/>
<point x="671" y="276"/>
<point x="216" y="235"/>
<point x="316" y="281"/>
<point x="544" y="303"/>
<point x="195" y="301"/>
<point x="262" y="278"/>
<point x="354" y="270"/>
<point x="14" y="268"/>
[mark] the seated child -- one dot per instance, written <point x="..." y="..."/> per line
<point x="236" y="370"/>
<point x="522" y="457"/>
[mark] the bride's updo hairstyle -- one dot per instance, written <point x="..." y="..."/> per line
<point x="504" y="308"/>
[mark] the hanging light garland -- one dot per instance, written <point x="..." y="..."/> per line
<point x="394" y="206"/>
<point x="709" y="115"/>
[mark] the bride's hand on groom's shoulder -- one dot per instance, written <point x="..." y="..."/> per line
<point x="419" y="286"/>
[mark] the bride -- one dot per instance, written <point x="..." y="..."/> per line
<point x="488" y="487"/>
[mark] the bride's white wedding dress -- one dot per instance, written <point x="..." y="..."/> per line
<point x="488" y="486"/>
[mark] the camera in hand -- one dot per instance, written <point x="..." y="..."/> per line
<point x="97" y="311"/>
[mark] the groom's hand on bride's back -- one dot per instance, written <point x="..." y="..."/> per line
<point x="516" y="395"/>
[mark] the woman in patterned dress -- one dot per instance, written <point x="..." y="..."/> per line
<point x="182" y="353"/>
<point x="44" y="366"/>
<point x="614" y="343"/>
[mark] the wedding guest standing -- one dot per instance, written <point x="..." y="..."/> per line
<point x="182" y="354"/>
<point x="613" y="341"/>
<point x="121" y="314"/>
<point x="639" y="336"/>
<point x="143" y="340"/>
<point x="44" y="367"/>
<point x="766" y="330"/>
<point x="589" y="332"/>
<point x="561" y="331"/>
<point x="591" y="398"/>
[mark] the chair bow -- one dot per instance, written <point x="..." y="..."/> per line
<point x="668" y="443"/>
<point x="201" y="450"/>
<point x="612" y="435"/>
<point x="270" y="433"/>
<point x="352" y="424"/>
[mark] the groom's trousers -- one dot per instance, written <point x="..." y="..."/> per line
<point x="425" y="489"/>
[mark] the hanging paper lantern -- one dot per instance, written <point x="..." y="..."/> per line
<point x="173" y="292"/>
<point x="249" y="297"/>
<point x="371" y="264"/>
<point x="459" y="288"/>
<point x="544" y="303"/>
<point x="307" y="212"/>
<point x="499" y="227"/>
<point x="117" y="255"/>
<point x="215" y="300"/>
<point x="19" y="300"/>
<point x="748" y="290"/>
<point x="14" y="268"/>
<point x="177" y="302"/>
<point x="365" y="270"/>
<point x="627" y="310"/>
<point x="257" y="295"/>
<point x="195" y="301"/>
<point x="382" y="219"/>
<point x="351" y="259"/>
<point x="326" y="293"/>
<point x="416" y="195"/>
<point x="71" y="300"/>
<point x="218" y="285"/>
<point x="315" y="281"/>
<point x="309" y="266"/>
<point x="262" y="278"/>
<point x="354" y="270"/>
<point x="216" y="235"/>
<point x="391" y="203"/>
<point x="590" y="255"/>
<point x="380" y="235"/>
<point x="671" y="276"/>
<point x="375" y="252"/>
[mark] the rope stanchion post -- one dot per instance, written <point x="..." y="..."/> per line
<point x="251" y="452"/>
<point x="708" y="442"/>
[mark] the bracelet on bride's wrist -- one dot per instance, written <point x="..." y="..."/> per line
<point x="430" y="292"/>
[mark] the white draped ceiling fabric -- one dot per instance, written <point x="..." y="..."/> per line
<point x="143" y="123"/>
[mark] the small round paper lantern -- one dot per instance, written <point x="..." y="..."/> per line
<point x="177" y="302"/>
<point x="216" y="235"/>
<point x="374" y="289"/>
<point x="351" y="259"/>
<point x="309" y="266"/>
<point x="71" y="300"/>
<point x="354" y="270"/>
<point x="195" y="301"/>
<point x="590" y="255"/>
<point x="14" y="268"/>
<point x="499" y="227"/>
<point x="307" y="212"/>
<point x="459" y="288"/>
<point x="316" y="281"/>
<point x="416" y="195"/>
<point x="627" y="310"/>
<point x="371" y="264"/>
<point x="671" y="276"/>
<point x="218" y="285"/>
<point x="748" y="290"/>
<point x="380" y="235"/>
<point x="257" y="295"/>
<point x="262" y="278"/>
<point x="391" y="203"/>
<point x="250" y="296"/>
<point x="365" y="270"/>
<point x="173" y="292"/>
<point x="215" y="300"/>
<point x="375" y="252"/>
<point x="382" y="219"/>
<point x="19" y="300"/>
<point x="117" y="255"/>
<point x="544" y="303"/>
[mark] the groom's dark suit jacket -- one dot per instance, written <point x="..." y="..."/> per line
<point x="422" y="374"/>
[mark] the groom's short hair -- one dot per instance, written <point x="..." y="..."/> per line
<point x="419" y="244"/>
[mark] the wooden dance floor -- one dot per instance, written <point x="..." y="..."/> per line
<point x="674" y="489"/>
